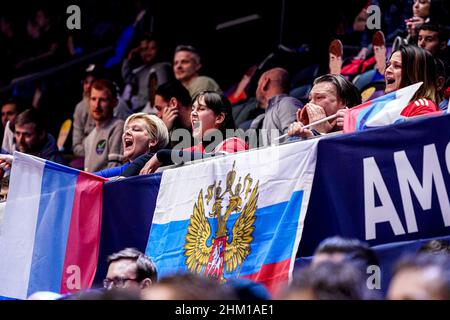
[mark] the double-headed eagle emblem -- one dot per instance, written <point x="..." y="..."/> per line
<point x="211" y="254"/>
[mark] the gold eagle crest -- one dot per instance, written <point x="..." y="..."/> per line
<point x="225" y="251"/>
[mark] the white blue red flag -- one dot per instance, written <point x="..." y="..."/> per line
<point x="237" y="216"/>
<point x="384" y="110"/>
<point x="50" y="235"/>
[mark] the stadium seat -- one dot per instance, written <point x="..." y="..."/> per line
<point x="364" y="79"/>
<point x="305" y="76"/>
<point x="372" y="90"/>
<point x="301" y="93"/>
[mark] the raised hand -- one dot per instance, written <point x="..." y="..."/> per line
<point x="6" y="161"/>
<point x="314" y="113"/>
<point x="413" y="24"/>
<point x="296" y="129"/>
<point x="340" y="117"/>
<point x="169" y="115"/>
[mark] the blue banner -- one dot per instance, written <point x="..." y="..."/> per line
<point x="128" y="207"/>
<point x="382" y="185"/>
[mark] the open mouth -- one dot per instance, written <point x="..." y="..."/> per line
<point x="390" y="81"/>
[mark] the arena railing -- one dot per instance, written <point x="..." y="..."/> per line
<point x="53" y="70"/>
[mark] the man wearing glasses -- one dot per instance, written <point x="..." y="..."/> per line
<point x="130" y="269"/>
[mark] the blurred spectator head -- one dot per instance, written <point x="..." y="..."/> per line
<point x="421" y="277"/>
<point x="433" y="38"/>
<point x="87" y="84"/>
<point x="329" y="281"/>
<point x="434" y="11"/>
<point x="9" y="112"/>
<point x="211" y="111"/>
<point x="248" y="290"/>
<point x="142" y="133"/>
<point x="188" y="287"/>
<point x="421" y="8"/>
<point x="441" y="77"/>
<point x="173" y="94"/>
<point x="33" y="29"/>
<point x="333" y="92"/>
<point x="130" y="269"/>
<point x="186" y="63"/>
<point x="44" y="295"/>
<point x="148" y="48"/>
<point x="42" y="19"/>
<point x="102" y="100"/>
<point x="436" y="247"/>
<point x="337" y="249"/>
<point x="30" y="131"/>
<point x="272" y="83"/>
<point x="6" y="25"/>
<point x="360" y="22"/>
<point x="102" y="294"/>
<point x="90" y="75"/>
<point x="409" y="65"/>
<point x="4" y="188"/>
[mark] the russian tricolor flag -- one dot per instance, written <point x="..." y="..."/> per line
<point x="49" y="239"/>
<point x="268" y="192"/>
<point x="384" y="110"/>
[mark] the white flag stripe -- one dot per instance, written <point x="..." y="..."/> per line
<point x="18" y="230"/>
<point x="2" y="213"/>
<point x="279" y="169"/>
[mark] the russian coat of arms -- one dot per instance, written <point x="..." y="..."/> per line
<point x="211" y="254"/>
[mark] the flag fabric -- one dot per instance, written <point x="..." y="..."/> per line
<point x="49" y="239"/>
<point x="381" y="111"/>
<point x="2" y="212"/>
<point x="237" y="216"/>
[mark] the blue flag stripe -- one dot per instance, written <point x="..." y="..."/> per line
<point x="52" y="231"/>
<point x="166" y="241"/>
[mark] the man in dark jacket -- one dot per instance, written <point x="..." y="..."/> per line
<point x="32" y="137"/>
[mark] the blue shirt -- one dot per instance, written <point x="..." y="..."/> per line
<point x="112" y="172"/>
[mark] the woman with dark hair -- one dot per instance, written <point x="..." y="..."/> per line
<point x="409" y="65"/>
<point x="211" y="119"/>
<point x="425" y="11"/>
<point x="406" y="66"/>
